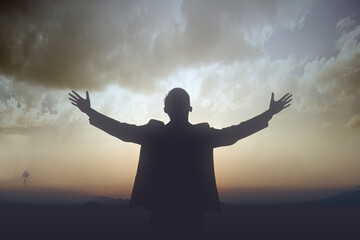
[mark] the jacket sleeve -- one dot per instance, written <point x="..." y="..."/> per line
<point x="230" y="135"/>
<point x="124" y="131"/>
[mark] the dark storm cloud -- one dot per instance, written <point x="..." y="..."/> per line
<point x="89" y="44"/>
<point x="52" y="43"/>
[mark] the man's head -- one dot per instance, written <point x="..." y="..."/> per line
<point x="177" y="104"/>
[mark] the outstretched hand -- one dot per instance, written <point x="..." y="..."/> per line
<point x="80" y="102"/>
<point x="279" y="105"/>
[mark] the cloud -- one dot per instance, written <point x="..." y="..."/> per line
<point x="46" y="47"/>
<point x="54" y="44"/>
<point x="329" y="84"/>
<point x="345" y="23"/>
<point x="354" y="122"/>
<point x="23" y="105"/>
<point x="49" y="104"/>
<point x="142" y="45"/>
<point x="320" y="86"/>
<point x="327" y="125"/>
<point x="88" y="45"/>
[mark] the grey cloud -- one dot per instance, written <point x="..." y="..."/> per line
<point x="23" y="105"/>
<point x="345" y="23"/>
<point x="331" y="83"/>
<point x="49" y="104"/>
<point x="49" y="46"/>
<point x="87" y="45"/>
<point x="354" y="122"/>
<point x="52" y="44"/>
<point x="321" y="85"/>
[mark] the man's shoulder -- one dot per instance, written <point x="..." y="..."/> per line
<point x="202" y="125"/>
<point x="155" y="123"/>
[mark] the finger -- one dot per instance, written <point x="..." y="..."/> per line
<point x="74" y="104"/>
<point x="287" y="105"/>
<point x="286" y="102"/>
<point x="77" y="94"/>
<point x="71" y="95"/>
<point x="73" y="100"/>
<point x="288" y="97"/>
<point x="284" y="97"/>
<point x="272" y="96"/>
<point x="87" y="95"/>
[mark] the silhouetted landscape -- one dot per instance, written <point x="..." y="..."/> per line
<point x="335" y="217"/>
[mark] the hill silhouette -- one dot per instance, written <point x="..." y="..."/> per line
<point x="350" y="198"/>
<point x="344" y="198"/>
<point x="100" y="217"/>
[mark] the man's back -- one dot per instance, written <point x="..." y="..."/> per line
<point x="176" y="165"/>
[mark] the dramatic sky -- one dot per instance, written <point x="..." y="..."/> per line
<point x="229" y="56"/>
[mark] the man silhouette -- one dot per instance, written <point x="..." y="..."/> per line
<point x="175" y="179"/>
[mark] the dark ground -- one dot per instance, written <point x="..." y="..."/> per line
<point x="238" y="223"/>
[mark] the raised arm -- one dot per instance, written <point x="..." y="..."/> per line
<point x="230" y="135"/>
<point x="123" y="131"/>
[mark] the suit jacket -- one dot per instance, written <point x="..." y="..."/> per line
<point x="176" y="165"/>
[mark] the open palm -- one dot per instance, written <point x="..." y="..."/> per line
<point x="279" y="105"/>
<point x="82" y="103"/>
